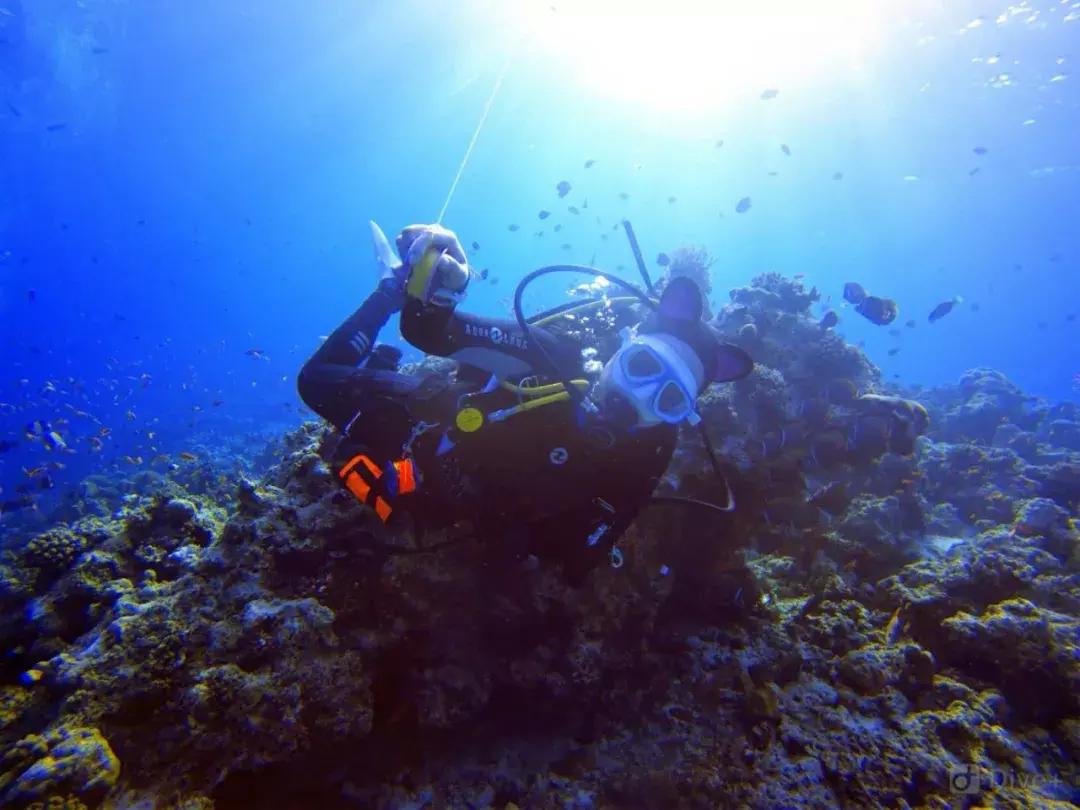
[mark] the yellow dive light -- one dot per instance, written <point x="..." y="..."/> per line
<point x="419" y="284"/>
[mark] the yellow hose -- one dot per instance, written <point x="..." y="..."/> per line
<point x="540" y="390"/>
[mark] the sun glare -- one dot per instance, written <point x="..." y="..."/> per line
<point x="698" y="54"/>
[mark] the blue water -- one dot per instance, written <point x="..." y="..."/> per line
<point x="181" y="183"/>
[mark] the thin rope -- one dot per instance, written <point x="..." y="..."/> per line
<point x="472" y="143"/>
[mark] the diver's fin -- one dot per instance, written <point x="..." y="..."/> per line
<point x="491" y="385"/>
<point x="731" y="363"/>
<point x="682" y="300"/>
<point x="386" y="258"/>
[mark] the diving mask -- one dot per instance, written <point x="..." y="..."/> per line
<point x="652" y="379"/>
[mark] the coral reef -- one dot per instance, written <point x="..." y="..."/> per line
<point x="888" y="618"/>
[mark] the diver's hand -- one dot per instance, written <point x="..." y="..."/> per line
<point x="438" y="272"/>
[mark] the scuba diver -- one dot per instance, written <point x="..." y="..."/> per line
<point x="520" y="445"/>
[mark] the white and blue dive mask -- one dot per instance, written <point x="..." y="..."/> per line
<point x="652" y="379"/>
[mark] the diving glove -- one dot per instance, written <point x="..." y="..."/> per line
<point x="438" y="272"/>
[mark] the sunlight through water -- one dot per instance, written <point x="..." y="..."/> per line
<point x="690" y="55"/>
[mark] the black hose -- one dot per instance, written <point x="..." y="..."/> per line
<point x="576" y="396"/>
<point x="637" y="255"/>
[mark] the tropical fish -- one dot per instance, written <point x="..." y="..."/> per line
<point x="829" y="319"/>
<point x="833" y="498"/>
<point x="854" y="293"/>
<point x="742" y="206"/>
<point x="841" y="392"/>
<point x="785" y="149"/>
<point x="589" y="164"/>
<point x="544" y="214"/>
<point x="563" y="187"/>
<point x="881" y="311"/>
<point x="943" y="309"/>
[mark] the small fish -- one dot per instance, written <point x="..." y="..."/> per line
<point x="829" y="320"/>
<point x="910" y="324"/>
<point x="980" y="150"/>
<point x="854" y="293"/>
<point x="815" y="411"/>
<point x="770" y="94"/>
<point x="16" y="504"/>
<point x="973" y="172"/>
<point x="894" y="351"/>
<point x="186" y="456"/>
<point x="663" y="260"/>
<point x="99" y="51"/>
<point x="512" y="228"/>
<point x="13" y="109"/>
<point x="566" y="246"/>
<point x="623" y="195"/>
<point x="943" y="309"/>
<point x="833" y="498"/>
<point x="557" y="228"/>
<point x="257" y="354"/>
<point x="573" y="210"/>
<point x="217" y="403"/>
<point x="31" y="296"/>
<point x="1070" y="317"/>
<point x="5" y="446"/>
<point x="130" y="416"/>
<point x="785" y="149"/>
<point x="672" y="200"/>
<point x="56" y="127"/>
<point x="544" y="214"/>
<point x="895" y="333"/>
<point x="475" y="245"/>
<point x="841" y="392"/>
<point x="742" y="206"/>
<point x="976" y="306"/>
<point x="838" y="176"/>
<point x="589" y="164"/>
<point x="484" y="274"/>
<point x="563" y="187"/>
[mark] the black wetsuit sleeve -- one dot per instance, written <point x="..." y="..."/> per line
<point x="330" y="382"/>
<point x="497" y="345"/>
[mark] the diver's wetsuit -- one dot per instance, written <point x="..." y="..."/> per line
<point x="543" y="481"/>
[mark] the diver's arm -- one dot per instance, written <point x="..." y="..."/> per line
<point x="497" y="345"/>
<point x="330" y="382"/>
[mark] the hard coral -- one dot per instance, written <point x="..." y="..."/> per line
<point x="75" y="759"/>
